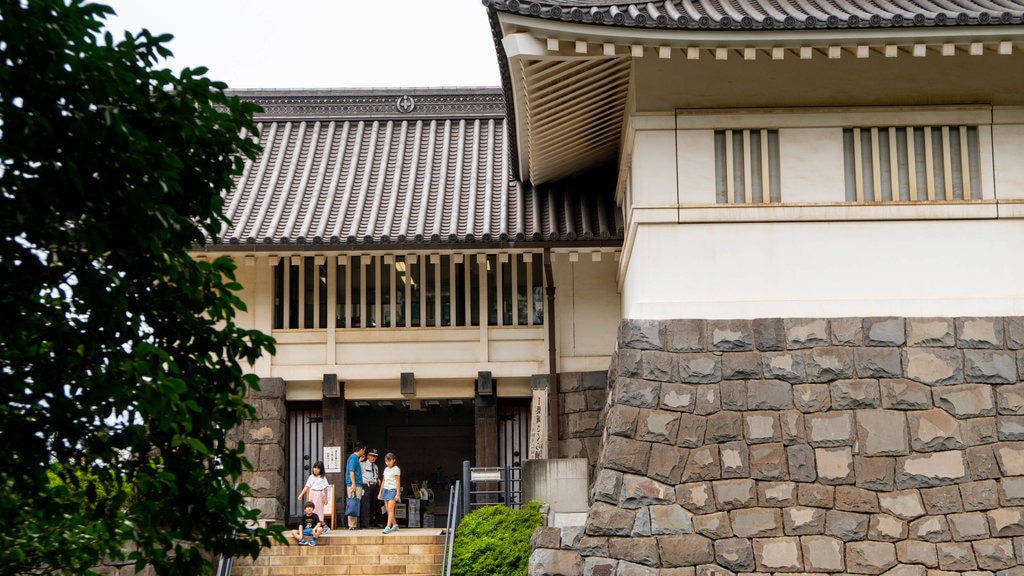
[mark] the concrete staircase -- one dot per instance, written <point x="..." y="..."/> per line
<point x="408" y="552"/>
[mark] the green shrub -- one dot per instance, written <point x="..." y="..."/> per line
<point x="495" y="541"/>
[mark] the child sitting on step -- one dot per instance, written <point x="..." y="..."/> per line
<point x="310" y="526"/>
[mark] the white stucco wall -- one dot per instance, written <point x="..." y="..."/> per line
<point x="588" y="311"/>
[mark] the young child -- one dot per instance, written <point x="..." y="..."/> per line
<point x="315" y="490"/>
<point x="391" y="490"/>
<point x="309" y="528"/>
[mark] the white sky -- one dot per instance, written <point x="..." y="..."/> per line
<point x="322" y="43"/>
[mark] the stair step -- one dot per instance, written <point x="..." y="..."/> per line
<point x="409" y="552"/>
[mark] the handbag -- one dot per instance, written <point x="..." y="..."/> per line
<point x="351" y="506"/>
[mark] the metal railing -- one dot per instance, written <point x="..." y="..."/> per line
<point x="492" y="486"/>
<point x="454" y="515"/>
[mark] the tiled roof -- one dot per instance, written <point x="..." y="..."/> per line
<point x="771" y="14"/>
<point x="417" y="166"/>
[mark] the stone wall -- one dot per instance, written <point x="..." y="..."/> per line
<point x="864" y="446"/>
<point x="582" y="397"/>
<point x="264" y="440"/>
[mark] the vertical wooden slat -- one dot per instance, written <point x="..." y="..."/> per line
<point x="894" y="165"/>
<point x="378" y="310"/>
<point x="529" y="294"/>
<point x="858" y="166"/>
<point x="363" y="321"/>
<point x="286" y="301"/>
<point x="965" y="164"/>
<point x="730" y="189"/>
<point x="347" y="288"/>
<point x="947" y="163"/>
<point x="515" y="259"/>
<point x="452" y="291"/>
<point x="499" y="277"/>
<point x="747" y="172"/>
<point x="929" y="163"/>
<point x="766" y="175"/>
<point x="911" y="163"/>
<point x="876" y="172"/>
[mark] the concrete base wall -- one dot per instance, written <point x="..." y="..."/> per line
<point x="855" y="445"/>
<point x="561" y="484"/>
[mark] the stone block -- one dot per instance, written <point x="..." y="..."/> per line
<point x="931" y="469"/>
<point x="627" y="568"/>
<point x="697" y="497"/>
<point x="882" y="433"/>
<point x="572" y="402"/>
<point x="966" y="400"/>
<point x="756" y="522"/>
<point x="793" y="430"/>
<point x="904" y="504"/>
<point x="766" y="461"/>
<point x="685" y="550"/>
<point x="853" y="499"/>
<point x="847" y="331"/>
<point x="625" y="454"/>
<point x="657" y="426"/>
<point x="708" y="400"/>
<point x="599" y="566"/>
<point x="968" y="526"/>
<point x="677" y="397"/>
<point x="1010" y="457"/>
<point x="813" y="397"/>
<point x="770" y="334"/>
<point x="666" y="463"/>
<point x="917" y="552"/>
<point x="878" y="473"/>
<point x="702" y="570"/>
<point x="930" y="529"/>
<point x="761" y="427"/>
<point x="1011" y="491"/>
<point x="715" y="526"/>
<point x="546" y="537"/>
<point x="641" y="524"/>
<point x="979" y="332"/>
<point x="884" y="332"/>
<point x="620" y="420"/>
<point x="607" y="486"/>
<point x="990" y="366"/>
<point x="823" y="554"/>
<point x="956" y="556"/>
<point x="942" y="500"/>
<point x="1010" y="428"/>
<point x="628" y="363"/>
<point x="877" y="363"/>
<point x="684" y="335"/>
<point x="1005" y="522"/>
<point x="548" y="562"/>
<point x="830" y="429"/>
<point x="847" y="526"/>
<point x="659" y="366"/>
<point x="776" y="494"/>
<point x="733" y="494"/>
<point x="994" y="554"/>
<point x="886" y="528"/>
<point x="903" y="394"/>
<point x="828" y="364"/>
<point x="785" y="366"/>
<point x="817" y="495"/>
<point x="980" y="495"/>
<point x="592" y="546"/>
<point x="594" y="380"/>
<point x="607" y="520"/>
<point x="699" y="367"/>
<point x="930" y="332"/>
<point x="982" y="462"/>
<point x="670" y="519"/>
<point x="640" y="491"/>
<point x="933" y="366"/>
<point x="640" y="334"/>
<point x="735" y="554"/>
<point x="802" y="466"/>
<point x="634" y="392"/>
<point x="778" y="554"/>
<point x="692" y="430"/>
<point x="801" y="520"/>
<point x="979" y="431"/>
<point x="1014" y="330"/>
<point x="741" y="366"/>
<point x="870" y="557"/>
<point x="834" y="465"/>
<point x="806" y="333"/>
<point x="934" y="430"/>
<point x="730" y="335"/>
<point x="724" y="427"/>
<point x="734" y="395"/>
<point x="858" y="394"/>
<point x="769" y="395"/>
<point x="1010" y="399"/>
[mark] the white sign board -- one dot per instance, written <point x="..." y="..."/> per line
<point x="332" y="459"/>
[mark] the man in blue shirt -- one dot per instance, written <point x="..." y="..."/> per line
<point x="354" y="479"/>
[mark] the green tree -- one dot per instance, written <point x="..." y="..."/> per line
<point x="121" y="366"/>
<point x="495" y="541"/>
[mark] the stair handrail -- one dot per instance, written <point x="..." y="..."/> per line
<point x="451" y="524"/>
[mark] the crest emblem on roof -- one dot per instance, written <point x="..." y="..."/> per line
<point x="405" y="104"/>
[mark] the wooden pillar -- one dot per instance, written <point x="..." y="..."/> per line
<point x="335" y="419"/>
<point x="486" y="406"/>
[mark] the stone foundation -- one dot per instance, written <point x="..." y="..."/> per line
<point x="264" y="440"/>
<point x="863" y="446"/>
<point x="582" y="397"/>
